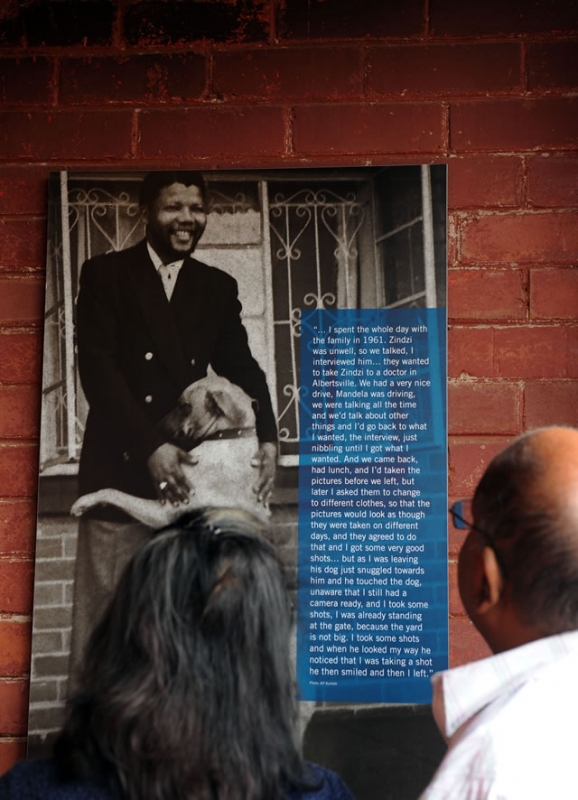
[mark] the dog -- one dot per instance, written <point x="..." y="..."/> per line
<point x="216" y="419"/>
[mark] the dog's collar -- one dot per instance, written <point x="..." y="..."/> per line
<point x="230" y="433"/>
<point x="189" y="443"/>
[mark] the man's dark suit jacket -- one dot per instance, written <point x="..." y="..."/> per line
<point x="137" y="352"/>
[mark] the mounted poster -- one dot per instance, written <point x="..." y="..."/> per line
<point x="341" y="277"/>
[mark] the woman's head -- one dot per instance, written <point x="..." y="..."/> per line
<point x="187" y="680"/>
<point x="201" y="594"/>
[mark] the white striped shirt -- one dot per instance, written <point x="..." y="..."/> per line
<point x="511" y="725"/>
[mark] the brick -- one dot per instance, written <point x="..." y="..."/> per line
<point x="455" y="537"/>
<point x="281" y="536"/>
<point x="154" y="22"/>
<point x="309" y="73"/>
<point x="530" y="352"/>
<point x="553" y="181"/>
<point x="19" y="470"/>
<point x="11" y="26"/>
<point x="554" y="294"/>
<point x="22" y="244"/>
<point x="66" y="23"/>
<point x="470" y="352"/>
<point x="551" y="403"/>
<point x="21" y="301"/>
<point x="48" y="641"/>
<point x="573" y="352"/>
<point x="57" y="570"/>
<point x="514" y="124"/>
<point x="17" y="528"/>
<point x="19" y="412"/>
<point x="467" y="461"/>
<point x="47" y="666"/>
<point x="57" y="493"/>
<point x="466" y="644"/>
<point x="48" y="594"/>
<point x="552" y="65"/>
<point x="16" y="581"/>
<point x="289" y="558"/>
<point x="283" y="515"/>
<point x="23" y="190"/>
<point x="205" y="132"/>
<point x="378" y="128"/>
<point x="484" y="408"/>
<point x="444" y="69"/>
<point x="147" y="79"/>
<point x="26" y="81"/>
<point x="14" y="648"/>
<point x="316" y="19"/>
<point x="43" y="692"/>
<point x="452" y="240"/>
<point x="484" y="295"/>
<point x="13" y="707"/>
<point x="11" y="751"/>
<point x="47" y="619"/>
<point x="55" y="526"/>
<point x="68" y="593"/>
<point x="46" y="719"/>
<point x="47" y="548"/>
<point x="536" y="237"/>
<point x="20" y="357"/>
<point x="454" y="601"/>
<point x="39" y="135"/>
<point x="485" y="182"/>
<point x="456" y="18"/>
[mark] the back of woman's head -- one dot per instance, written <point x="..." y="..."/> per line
<point x="187" y="684"/>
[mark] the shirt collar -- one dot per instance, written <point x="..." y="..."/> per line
<point x="157" y="261"/>
<point x="460" y="693"/>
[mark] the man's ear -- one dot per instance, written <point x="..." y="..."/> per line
<point x="492" y="582"/>
<point x="144" y="215"/>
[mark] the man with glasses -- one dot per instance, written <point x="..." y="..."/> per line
<point x="510" y="719"/>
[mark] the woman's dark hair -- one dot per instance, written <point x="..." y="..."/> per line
<point x="155" y="181"/>
<point x="187" y="688"/>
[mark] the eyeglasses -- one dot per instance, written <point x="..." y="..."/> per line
<point x="462" y="517"/>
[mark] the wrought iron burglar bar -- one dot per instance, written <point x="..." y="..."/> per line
<point x="315" y="259"/>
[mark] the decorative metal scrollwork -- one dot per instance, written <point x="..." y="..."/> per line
<point x="314" y="244"/>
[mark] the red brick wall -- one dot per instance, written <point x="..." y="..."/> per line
<point x="486" y="87"/>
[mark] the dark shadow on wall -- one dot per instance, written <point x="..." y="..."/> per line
<point x="383" y="753"/>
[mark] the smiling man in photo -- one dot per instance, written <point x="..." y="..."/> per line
<point x="151" y="320"/>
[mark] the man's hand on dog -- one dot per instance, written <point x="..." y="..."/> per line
<point x="165" y="467"/>
<point x="266" y="460"/>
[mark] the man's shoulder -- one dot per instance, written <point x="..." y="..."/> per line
<point x="212" y="274"/>
<point x="518" y="746"/>
<point x="117" y="258"/>
<point x="211" y="270"/>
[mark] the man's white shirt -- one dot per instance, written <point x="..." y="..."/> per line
<point x="168" y="272"/>
<point x="511" y="723"/>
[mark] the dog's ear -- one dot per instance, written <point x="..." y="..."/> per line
<point x="224" y="405"/>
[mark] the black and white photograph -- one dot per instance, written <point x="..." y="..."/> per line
<point x="171" y="381"/>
